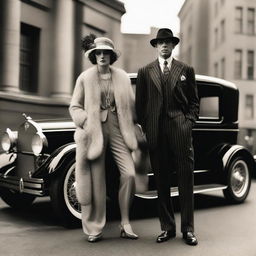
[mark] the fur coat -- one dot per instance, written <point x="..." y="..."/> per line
<point x="85" y="112"/>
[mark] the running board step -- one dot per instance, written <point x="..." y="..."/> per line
<point x="152" y="194"/>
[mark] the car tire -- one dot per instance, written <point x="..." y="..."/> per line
<point x="63" y="197"/>
<point x="16" y="199"/>
<point x="238" y="180"/>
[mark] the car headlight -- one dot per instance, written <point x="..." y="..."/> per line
<point x="8" y="140"/>
<point x="39" y="142"/>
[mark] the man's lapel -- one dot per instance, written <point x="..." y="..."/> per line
<point x="175" y="72"/>
<point x="155" y="74"/>
<point x="174" y="75"/>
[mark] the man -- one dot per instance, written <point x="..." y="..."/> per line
<point x="167" y="107"/>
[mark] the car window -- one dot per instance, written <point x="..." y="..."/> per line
<point x="210" y="97"/>
<point x="209" y="108"/>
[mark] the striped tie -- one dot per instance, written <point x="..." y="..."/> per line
<point x="166" y="70"/>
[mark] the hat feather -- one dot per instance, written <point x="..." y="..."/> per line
<point x="88" y="42"/>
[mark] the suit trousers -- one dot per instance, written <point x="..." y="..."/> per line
<point x="94" y="214"/>
<point x="174" y="153"/>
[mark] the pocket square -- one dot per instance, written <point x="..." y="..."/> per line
<point x="182" y="78"/>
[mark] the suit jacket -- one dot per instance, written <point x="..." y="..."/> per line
<point x="149" y="96"/>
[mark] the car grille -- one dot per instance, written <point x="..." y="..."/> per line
<point x="25" y="159"/>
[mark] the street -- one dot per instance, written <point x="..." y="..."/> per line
<point x="222" y="229"/>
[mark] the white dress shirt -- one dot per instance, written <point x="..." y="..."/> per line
<point x="161" y="62"/>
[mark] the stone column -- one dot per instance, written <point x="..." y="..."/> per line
<point x="63" y="48"/>
<point x="9" y="45"/>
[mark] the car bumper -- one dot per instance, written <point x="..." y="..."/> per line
<point x="33" y="186"/>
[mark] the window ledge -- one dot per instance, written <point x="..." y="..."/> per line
<point x="38" y="100"/>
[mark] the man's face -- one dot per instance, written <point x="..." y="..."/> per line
<point x="164" y="48"/>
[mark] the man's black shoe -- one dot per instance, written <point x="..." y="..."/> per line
<point x="165" y="236"/>
<point x="190" y="238"/>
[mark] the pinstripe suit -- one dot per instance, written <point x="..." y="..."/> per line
<point x="167" y="109"/>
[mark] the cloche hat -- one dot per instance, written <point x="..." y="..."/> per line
<point x="102" y="43"/>
<point x="164" y="33"/>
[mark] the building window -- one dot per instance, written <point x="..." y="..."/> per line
<point x="222" y="68"/>
<point x="216" y="33"/>
<point x="239" y="20"/>
<point x="251" y="21"/>
<point x="250" y="65"/>
<point x="238" y="64"/>
<point x="216" y="69"/>
<point x="222" y="31"/>
<point x="249" y="107"/>
<point x="29" y="52"/>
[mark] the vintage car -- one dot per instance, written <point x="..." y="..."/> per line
<point x="38" y="159"/>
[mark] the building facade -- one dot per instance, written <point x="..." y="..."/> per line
<point x="41" y="56"/>
<point x="219" y="39"/>
<point x="138" y="51"/>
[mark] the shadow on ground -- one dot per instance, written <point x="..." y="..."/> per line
<point x="142" y="208"/>
<point x="41" y="213"/>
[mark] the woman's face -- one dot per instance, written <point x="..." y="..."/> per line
<point x="103" y="57"/>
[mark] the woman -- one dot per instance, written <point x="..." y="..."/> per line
<point x="102" y="108"/>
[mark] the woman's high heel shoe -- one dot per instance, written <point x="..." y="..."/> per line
<point x="127" y="232"/>
<point x="94" y="238"/>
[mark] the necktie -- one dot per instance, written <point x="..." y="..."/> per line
<point x="166" y="69"/>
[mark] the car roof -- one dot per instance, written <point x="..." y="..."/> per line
<point x="203" y="78"/>
<point x="211" y="79"/>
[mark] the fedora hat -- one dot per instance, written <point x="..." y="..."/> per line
<point x="164" y="33"/>
<point x="102" y="43"/>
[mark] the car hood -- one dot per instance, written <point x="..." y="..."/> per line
<point x="48" y="125"/>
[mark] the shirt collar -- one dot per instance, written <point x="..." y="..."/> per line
<point x="162" y="60"/>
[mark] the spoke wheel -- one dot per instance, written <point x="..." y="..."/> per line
<point x="239" y="181"/>
<point x="69" y="191"/>
<point x="63" y="197"/>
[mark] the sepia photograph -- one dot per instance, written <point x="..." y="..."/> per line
<point x="127" y="127"/>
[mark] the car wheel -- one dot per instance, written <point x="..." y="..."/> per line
<point x="238" y="180"/>
<point x="16" y="199"/>
<point x="63" y="197"/>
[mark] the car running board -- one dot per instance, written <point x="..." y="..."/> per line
<point x="152" y="194"/>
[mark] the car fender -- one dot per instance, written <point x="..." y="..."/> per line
<point x="223" y="154"/>
<point x="62" y="157"/>
<point x="7" y="161"/>
<point x="56" y="160"/>
<point x="238" y="150"/>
